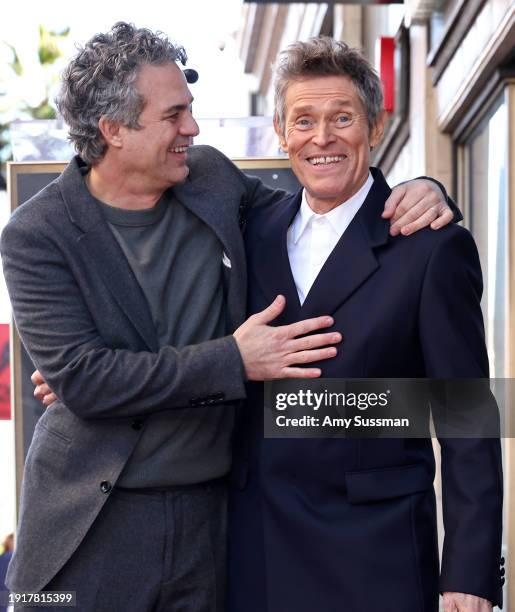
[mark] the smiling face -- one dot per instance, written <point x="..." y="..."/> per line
<point x="155" y="154"/>
<point x="327" y="138"/>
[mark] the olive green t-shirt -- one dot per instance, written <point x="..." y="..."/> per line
<point x="177" y="260"/>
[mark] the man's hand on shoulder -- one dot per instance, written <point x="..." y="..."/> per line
<point x="276" y="352"/>
<point x="463" y="602"/>
<point x="415" y="205"/>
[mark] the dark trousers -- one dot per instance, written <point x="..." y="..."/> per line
<point x="158" y="551"/>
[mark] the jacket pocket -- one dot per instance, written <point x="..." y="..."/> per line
<point x="387" y="483"/>
<point x="47" y="457"/>
<point x="60" y="437"/>
<point x="58" y="421"/>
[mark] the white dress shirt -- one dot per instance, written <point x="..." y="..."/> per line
<point x="312" y="237"/>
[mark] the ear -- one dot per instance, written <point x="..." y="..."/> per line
<point x="377" y="132"/>
<point x="280" y="134"/>
<point x="111" y="131"/>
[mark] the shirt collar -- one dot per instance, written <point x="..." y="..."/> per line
<point x="339" y="217"/>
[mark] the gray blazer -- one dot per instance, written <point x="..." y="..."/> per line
<point x="86" y="324"/>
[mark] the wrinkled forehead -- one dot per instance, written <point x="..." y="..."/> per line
<point x="322" y="92"/>
<point x="163" y="85"/>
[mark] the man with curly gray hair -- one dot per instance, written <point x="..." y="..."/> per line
<point x="109" y="90"/>
<point x="127" y="278"/>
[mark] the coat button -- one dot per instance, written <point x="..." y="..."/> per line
<point x="502" y="581"/>
<point x="503" y="571"/>
<point x="502" y="560"/>
<point x="137" y="424"/>
<point x="105" y="486"/>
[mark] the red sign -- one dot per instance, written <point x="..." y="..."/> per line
<point x="386" y="64"/>
<point x="5" y="373"/>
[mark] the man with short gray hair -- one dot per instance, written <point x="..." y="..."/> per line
<point x="127" y="278"/>
<point x="350" y="524"/>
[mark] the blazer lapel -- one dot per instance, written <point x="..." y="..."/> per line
<point x="270" y="259"/>
<point x="101" y="248"/>
<point x="353" y="259"/>
<point x="214" y="212"/>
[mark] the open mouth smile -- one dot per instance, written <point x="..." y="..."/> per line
<point x="325" y="160"/>
<point x="182" y="149"/>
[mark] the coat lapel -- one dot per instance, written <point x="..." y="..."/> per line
<point x="270" y="259"/>
<point x="210" y="208"/>
<point x="353" y="259"/>
<point x="100" y="247"/>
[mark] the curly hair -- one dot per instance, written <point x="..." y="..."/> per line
<point x="324" y="56"/>
<point x="100" y="82"/>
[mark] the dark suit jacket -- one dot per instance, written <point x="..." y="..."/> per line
<point x="350" y="524"/>
<point x="87" y="326"/>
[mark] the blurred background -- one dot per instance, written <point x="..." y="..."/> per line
<point x="448" y="73"/>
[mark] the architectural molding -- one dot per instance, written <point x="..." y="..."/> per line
<point x="251" y="34"/>
<point x="465" y="12"/>
<point x="498" y="51"/>
<point x="398" y="129"/>
<point x="471" y="118"/>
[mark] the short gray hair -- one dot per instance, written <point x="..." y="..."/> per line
<point x="324" y="56"/>
<point x="100" y="81"/>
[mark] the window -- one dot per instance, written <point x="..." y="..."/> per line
<point x="486" y="177"/>
<point x="485" y="174"/>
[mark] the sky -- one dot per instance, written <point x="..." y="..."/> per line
<point x="201" y="26"/>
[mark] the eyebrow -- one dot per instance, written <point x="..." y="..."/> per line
<point x="309" y="107"/>
<point x="177" y="107"/>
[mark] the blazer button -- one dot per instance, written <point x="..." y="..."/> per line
<point x="137" y="424"/>
<point x="503" y="571"/>
<point x="502" y="560"/>
<point x="105" y="486"/>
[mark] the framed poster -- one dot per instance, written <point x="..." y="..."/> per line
<point x="25" y="179"/>
<point x="5" y="377"/>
